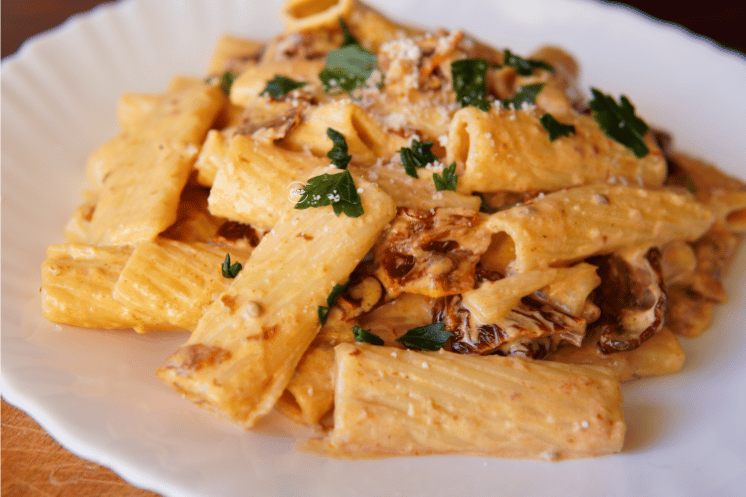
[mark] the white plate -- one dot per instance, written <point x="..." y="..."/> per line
<point x="95" y="391"/>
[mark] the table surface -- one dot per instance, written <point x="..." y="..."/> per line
<point x="33" y="464"/>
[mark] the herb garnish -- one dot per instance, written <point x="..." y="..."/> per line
<point x="619" y="122"/>
<point x="524" y="67"/>
<point x="525" y="95"/>
<point x="556" y="128"/>
<point x="430" y="337"/>
<point x="348" y="39"/>
<point x="281" y="85"/>
<point x="448" y="180"/>
<point x="416" y="157"/>
<point x="469" y="78"/>
<point x="347" y="69"/>
<point x="230" y="270"/>
<point x="337" y="190"/>
<point x="338" y="153"/>
<point x="484" y="205"/>
<point x="366" y="336"/>
<point x="336" y="292"/>
<point x="225" y="82"/>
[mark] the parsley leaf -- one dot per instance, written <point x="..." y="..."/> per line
<point x="347" y="69"/>
<point x="524" y="67"/>
<point x="323" y="314"/>
<point x="417" y="156"/>
<point x="337" y="190"/>
<point x="336" y="292"/>
<point x="619" y="122"/>
<point x="366" y="336"/>
<point x="430" y="337"/>
<point x="281" y="85"/>
<point x="448" y="180"/>
<point x="349" y="39"/>
<point x="525" y="94"/>
<point x="338" y="153"/>
<point x="469" y="78"/>
<point x="230" y="270"/>
<point x="225" y="82"/>
<point x="484" y="206"/>
<point x="556" y="128"/>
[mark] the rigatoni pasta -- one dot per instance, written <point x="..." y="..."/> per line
<point x="410" y="241"/>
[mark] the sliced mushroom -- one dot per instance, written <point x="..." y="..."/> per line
<point x="272" y="123"/>
<point x="631" y="297"/>
<point x="360" y="297"/>
<point x="432" y="253"/>
<point x="531" y="329"/>
<point x="239" y="234"/>
<point x="693" y="295"/>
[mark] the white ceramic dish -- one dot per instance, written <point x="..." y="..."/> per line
<point x="95" y="391"/>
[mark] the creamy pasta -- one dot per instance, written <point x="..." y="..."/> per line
<point x="408" y="240"/>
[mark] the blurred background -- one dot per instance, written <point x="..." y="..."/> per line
<point x="722" y="20"/>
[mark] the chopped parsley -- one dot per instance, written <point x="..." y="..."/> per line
<point x="225" y="81"/>
<point x="484" y="205"/>
<point x="281" y="85"/>
<point x="430" y="337"/>
<point x="448" y="180"/>
<point x="556" y="128"/>
<point x="348" y="39"/>
<point x="347" y="69"/>
<point x="338" y="153"/>
<point x="469" y="78"/>
<point x="619" y="122"/>
<point x="524" y="67"/>
<point x="366" y="336"/>
<point x="323" y="314"/>
<point x="525" y="95"/>
<point x="230" y="270"/>
<point x="324" y="310"/>
<point x="337" y="190"/>
<point x="416" y="157"/>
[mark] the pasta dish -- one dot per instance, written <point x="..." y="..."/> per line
<point x="409" y="240"/>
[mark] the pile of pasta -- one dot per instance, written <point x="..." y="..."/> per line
<point x="407" y="239"/>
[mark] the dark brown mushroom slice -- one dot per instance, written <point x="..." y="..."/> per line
<point x="274" y="124"/>
<point x="632" y="298"/>
<point x="531" y="329"/>
<point x="233" y="232"/>
<point x="361" y="295"/>
<point x="431" y="252"/>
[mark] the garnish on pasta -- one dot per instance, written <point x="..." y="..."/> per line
<point x="430" y="337"/>
<point x="324" y="310"/>
<point x="447" y="180"/>
<point x="417" y="156"/>
<point x="337" y="190"/>
<point x="524" y="67"/>
<point x="230" y="270"/>
<point x="470" y="83"/>
<point x="554" y="128"/>
<point x="338" y="154"/>
<point x="365" y="336"/>
<point x="525" y="95"/>
<point x="619" y="122"/>
<point x="349" y="38"/>
<point x="347" y="69"/>
<point x="281" y="85"/>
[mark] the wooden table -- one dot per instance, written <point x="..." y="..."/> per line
<point x="33" y="464"/>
